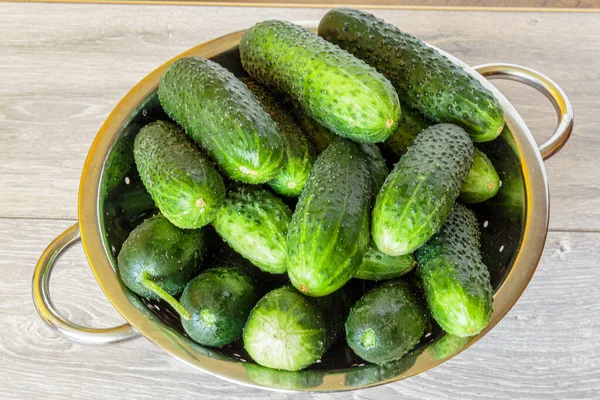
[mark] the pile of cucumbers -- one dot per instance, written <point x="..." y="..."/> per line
<point x="320" y="118"/>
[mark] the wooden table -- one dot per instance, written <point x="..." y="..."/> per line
<point x="62" y="69"/>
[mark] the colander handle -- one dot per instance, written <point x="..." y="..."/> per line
<point x="49" y="313"/>
<point x="548" y="88"/>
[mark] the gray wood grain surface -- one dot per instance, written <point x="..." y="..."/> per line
<point x="62" y="69"/>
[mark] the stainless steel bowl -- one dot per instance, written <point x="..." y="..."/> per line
<point x="514" y="225"/>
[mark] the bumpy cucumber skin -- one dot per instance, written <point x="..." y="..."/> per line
<point x="278" y="313"/>
<point x="455" y="280"/>
<point x="377" y="266"/>
<point x="482" y="182"/>
<point x="386" y="323"/>
<point x="377" y="165"/>
<point x="221" y="114"/>
<point x="411" y="124"/>
<point x="318" y="135"/>
<point x="219" y="301"/>
<point x="185" y="186"/>
<point x="419" y="193"/>
<point x="299" y="155"/>
<point x="339" y="91"/>
<point x="254" y="222"/>
<point x="329" y="231"/>
<point x="169" y="256"/>
<point x="424" y="78"/>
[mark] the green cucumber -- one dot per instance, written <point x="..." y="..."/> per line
<point x="254" y="222"/>
<point x="219" y="301"/>
<point x="318" y="135"/>
<point x="418" y="195"/>
<point x="386" y="323"/>
<point x="299" y="157"/>
<point x="455" y="280"/>
<point x="377" y="165"/>
<point x="339" y="91"/>
<point x="377" y="266"/>
<point x="285" y="330"/>
<point x="158" y="259"/>
<point x="411" y="124"/>
<point x="329" y="231"/>
<point x="185" y="186"/>
<point x="424" y="78"/>
<point x="482" y="182"/>
<point x="220" y="113"/>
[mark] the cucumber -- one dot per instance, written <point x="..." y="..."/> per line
<point x="424" y="78"/>
<point x="285" y="330"/>
<point x="254" y="222"/>
<point x="377" y="266"/>
<point x="376" y="164"/>
<point x="219" y="301"/>
<point x="482" y="182"/>
<point x="339" y="91"/>
<point x="418" y="195"/>
<point x="299" y="157"/>
<point x="158" y="259"/>
<point x="318" y="135"/>
<point x="455" y="280"/>
<point x="224" y="117"/>
<point x="386" y="323"/>
<point x="329" y="231"/>
<point x="411" y="124"/>
<point x="185" y="186"/>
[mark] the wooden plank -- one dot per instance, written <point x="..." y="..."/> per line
<point x="547" y="347"/>
<point x="66" y="66"/>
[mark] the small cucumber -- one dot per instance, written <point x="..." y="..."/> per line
<point x="339" y="91"/>
<point x="299" y="157"/>
<point x="423" y="77"/>
<point x="329" y="231"/>
<point x="158" y="259"/>
<point x="377" y="266"/>
<point x="482" y="182"/>
<point x="254" y="222"/>
<point x="285" y="330"/>
<point x="220" y="113"/>
<point x="455" y="280"/>
<point x="386" y="323"/>
<point x="418" y="195"/>
<point x="219" y="301"/>
<point x="185" y="186"/>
